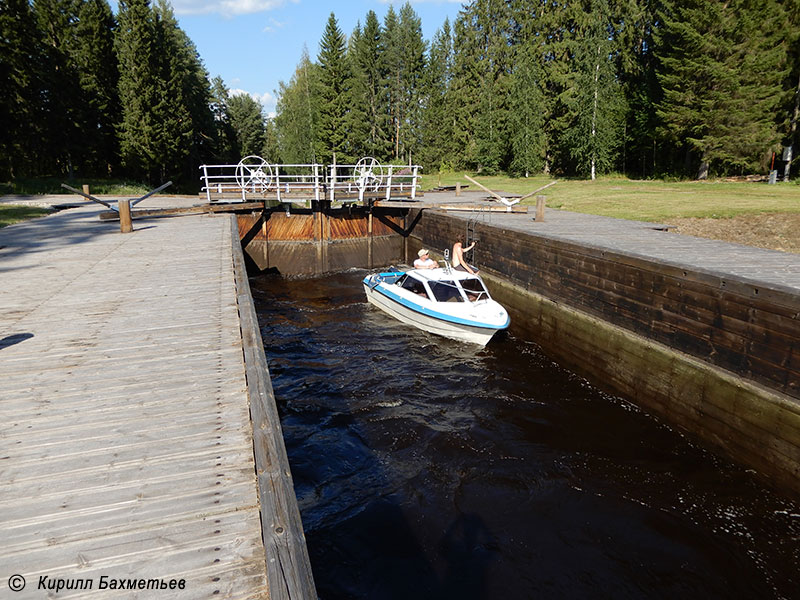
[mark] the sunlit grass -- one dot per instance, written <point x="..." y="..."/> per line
<point x="13" y="213"/>
<point x="52" y="185"/>
<point x="641" y="200"/>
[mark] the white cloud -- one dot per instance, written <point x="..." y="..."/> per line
<point x="268" y="101"/>
<point x="273" y="24"/>
<point x="226" y="8"/>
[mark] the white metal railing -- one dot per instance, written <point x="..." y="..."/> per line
<point x="255" y="177"/>
<point x="369" y="178"/>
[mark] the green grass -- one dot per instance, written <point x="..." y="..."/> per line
<point x="52" y="185"/>
<point x="642" y="200"/>
<point x="12" y="213"/>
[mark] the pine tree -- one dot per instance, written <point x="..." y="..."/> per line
<point x="333" y="82"/>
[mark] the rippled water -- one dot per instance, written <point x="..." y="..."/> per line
<point x="427" y="468"/>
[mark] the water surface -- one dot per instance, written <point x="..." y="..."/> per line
<point x="430" y="468"/>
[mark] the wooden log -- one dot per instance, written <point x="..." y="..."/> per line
<point x="125" y="224"/>
<point x="112" y="215"/>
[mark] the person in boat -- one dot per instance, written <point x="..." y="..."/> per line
<point x="424" y="261"/>
<point x="459" y="264"/>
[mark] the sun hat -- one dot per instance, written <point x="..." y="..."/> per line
<point x="422" y="252"/>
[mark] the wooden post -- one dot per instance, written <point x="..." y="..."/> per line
<point x="125" y="224"/>
<point x="86" y="188"/>
<point x="540" y="208"/>
<point x="369" y="244"/>
<point x="458" y="188"/>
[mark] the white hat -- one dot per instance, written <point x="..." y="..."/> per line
<point x="422" y="252"/>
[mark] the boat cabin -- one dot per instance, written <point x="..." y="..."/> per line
<point x="439" y="285"/>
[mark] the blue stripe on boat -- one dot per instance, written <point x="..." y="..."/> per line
<point x="432" y="313"/>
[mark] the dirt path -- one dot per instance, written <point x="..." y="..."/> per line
<point x="777" y="231"/>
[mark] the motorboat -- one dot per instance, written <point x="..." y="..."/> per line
<point x="444" y="301"/>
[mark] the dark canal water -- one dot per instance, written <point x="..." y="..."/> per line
<point x="427" y="468"/>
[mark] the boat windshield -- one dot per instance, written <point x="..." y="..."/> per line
<point x="445" y="291"/>
<point x="412" y="285"/>
<point x="474" y="289"/>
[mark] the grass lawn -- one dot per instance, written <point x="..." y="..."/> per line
<point x="52" y="185"/>
<point x="642" y="200"/>
<point x="12" y="213"/>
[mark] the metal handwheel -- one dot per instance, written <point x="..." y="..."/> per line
<point x="368" y="174"/>
<point x="254" y="174"/>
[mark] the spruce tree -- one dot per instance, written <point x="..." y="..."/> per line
<point x="139" y="88"/>
<point x="527" y="112"/>
<point x="64" y="114"/>
<point x="247" y="121"/>
<point x="97" y="69"/>
<point x="357" y="116"/>
<point x="412" y="50"/>
<point x="491" y="23"/>
<point x="224" y="137"/>
<point x="333" y="94"/>
<point x="464" y="89"/>
<point x="721" y="66"/>
<point x="438" y="124"/>
<point x="595" y="135"/>
<point x="21" y="53"/>
<point x="184" y="109"/>
<point x="367" y="101"/>
<point x="298" y="115"/>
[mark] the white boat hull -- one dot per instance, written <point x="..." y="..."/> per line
<point x="456" y="331"/>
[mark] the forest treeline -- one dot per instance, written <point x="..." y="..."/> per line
<point x="648" y="88"/>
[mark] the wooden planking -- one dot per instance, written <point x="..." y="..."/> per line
<point x="119" y="455"/>
<point x="288" y="564"/>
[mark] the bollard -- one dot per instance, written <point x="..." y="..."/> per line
<point x="86" y="188"/>
<point x="125" y="223"/>
<point x="458" y="188"/>
<point x="540" y="208"/>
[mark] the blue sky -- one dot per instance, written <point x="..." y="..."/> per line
<point x="254" y="44"/>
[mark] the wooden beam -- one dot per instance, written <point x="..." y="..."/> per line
<point x="112" y="215"/>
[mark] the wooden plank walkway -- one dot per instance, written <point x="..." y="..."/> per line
<point x="126" y="445"/>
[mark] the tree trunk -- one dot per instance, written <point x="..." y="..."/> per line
<point x="792" y="132"/>
<point x="702" y="174"/>
<point x="594" y="111"/>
